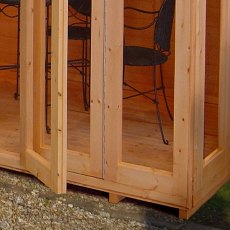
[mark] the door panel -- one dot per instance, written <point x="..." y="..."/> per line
<point x="85" y="154"/>
<point x="157" y="184"/>
<point x="212" y="171"/>
<point x="50" y="170"/>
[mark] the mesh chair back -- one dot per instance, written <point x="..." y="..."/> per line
<point x="81" y="6"/>
<point x="163" y="26"/>
<point x="10" y="2"/>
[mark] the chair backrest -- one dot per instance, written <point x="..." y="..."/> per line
<point x="81" y="6"/>
<point x="10" y="2"/>
<point x="163" y="25"/>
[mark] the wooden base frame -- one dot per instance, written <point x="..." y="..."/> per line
<point x="117" y="192"/>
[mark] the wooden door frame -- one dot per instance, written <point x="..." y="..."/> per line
<point x="91" y="163"/>
<point x="50" y="171"/>
<point x="213" y="171"/>
<point x="166" y="187"/>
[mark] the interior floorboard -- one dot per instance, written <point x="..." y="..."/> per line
<point x="142" y="143"/>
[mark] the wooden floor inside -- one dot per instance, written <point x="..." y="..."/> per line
<point x="142" y="143"/>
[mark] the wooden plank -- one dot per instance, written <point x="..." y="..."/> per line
<point x="183" y="99"/>
<point x="39" y="73"/>
<point x="125" y="190"/>
<point x="113" y="87"/>
<point x="26" y="79"/>
<point x="224" y="82"/>
<point x="184" y="214"/>
<point x="11" y="160"/>
<point x="79" y="162"/>
<point x="59" y="95"/>
<point x="39" y="167"/>
<point x="228" y="92"/>
<point x="198" y="74"/>
<point x="9" y="115"/>
<point x="97" y="100"/>
<point x="115" y="198"/>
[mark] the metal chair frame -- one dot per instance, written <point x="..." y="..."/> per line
<point x="75" y="31"/>
<point x="160" y="50"/>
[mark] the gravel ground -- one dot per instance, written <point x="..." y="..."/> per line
<point x="25" y="203"/>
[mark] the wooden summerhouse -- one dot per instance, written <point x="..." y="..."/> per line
<point x="115" y="145"/>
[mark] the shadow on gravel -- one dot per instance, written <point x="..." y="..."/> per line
<point x="215" y="212"/>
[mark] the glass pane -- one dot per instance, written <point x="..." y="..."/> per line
<point x="142" y="139"/>
<point x="9" y="91"/>
<point x="47" y="81"/>
<point x="78" y="78"/>
<point x="212" y="76"/>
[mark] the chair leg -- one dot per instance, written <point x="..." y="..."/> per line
<point x="123" y="74"/>
<point x="163" y="89"/>
<point x="86" y="65"/>
<point x="87" y="72"/>
<point x="48" y="130"/>
<point x="157" y="106"/>
<point x="84" y="74"/>
<point x="16" y="94"/>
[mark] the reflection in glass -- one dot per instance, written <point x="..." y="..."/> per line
<point x="143" y="142"/>
<point x="212" y="76"/>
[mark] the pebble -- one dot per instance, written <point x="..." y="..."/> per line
<point x="27" y="204"/>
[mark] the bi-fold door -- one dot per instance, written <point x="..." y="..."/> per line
<point x="135" y="156"/>
<point x="75" y="142"/>
<point x="50" y="169"/>
<point x="24" y="148"/>
<point x="104" y="157"/>
<point x="211" y="165"/>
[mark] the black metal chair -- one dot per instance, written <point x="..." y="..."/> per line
<point x="79" y="30"/>
<point x="156" y="56"/>
<point x="5" y="5"/>
<point x="16" y="4"/>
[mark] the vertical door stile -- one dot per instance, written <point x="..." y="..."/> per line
<point x="52" y="171"/>
<point x="96" y="102"/>
<point x="59" y="95"/>
<point x="199" y="94"/>
<point x="113" y="86"/>
<point x="39" y="70"/>
<point x="86" y="158"/>
<point x="228" y="90"/>
<point x="26" y="73"/>
<point x="183" y="97"/>
<point x="211" y="172"/>
<point x="32" y="161"/>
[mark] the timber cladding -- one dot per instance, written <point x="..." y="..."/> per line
<point x="115" y="145"/>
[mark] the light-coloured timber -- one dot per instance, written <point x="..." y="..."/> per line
<point x="141" y="140"/>
<point x="114" y="198"/>
<point x="115" y="146"/>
